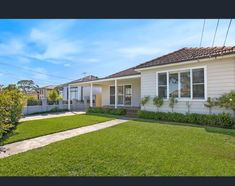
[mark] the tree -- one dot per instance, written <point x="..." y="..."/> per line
<point x="158" y="102"/>
<point x="27" y="86"/>
<point x="53" y="95"/>
<point x="145" y="100"/>
<point x="172" y="102"/>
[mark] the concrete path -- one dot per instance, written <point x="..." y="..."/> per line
<point x="23" y="146"/>
<point x="49" y="115"/>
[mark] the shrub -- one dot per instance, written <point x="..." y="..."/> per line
<point x="103" y="110"/>
<point x="32" y="101"/>
<point x="172" y="102"/>
<point x="158" y="101"/>
<point x="228" y="101"/>
<point x="145" y="100"/>
<point x="11" y="105"/>
<point x="223" y="120"/>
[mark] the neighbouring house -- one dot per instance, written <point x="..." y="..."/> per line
<point x="33" y="94"/>
<point x="44" y="91"/>
<point x="190" y="74"/>
<point x="79" y="93"/>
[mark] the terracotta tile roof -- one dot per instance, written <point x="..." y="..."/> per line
<point x="127" y="72"/>
<point x="187" y="54"/>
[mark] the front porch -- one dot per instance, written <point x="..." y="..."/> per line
<point x="117" y="92"/>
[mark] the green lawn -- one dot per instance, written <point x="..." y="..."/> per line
<point x="32" y="129"/>
<point x="134" y="148"/>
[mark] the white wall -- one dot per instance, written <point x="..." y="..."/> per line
<point x="220" y="79"/>
<point x="135" y="100"/>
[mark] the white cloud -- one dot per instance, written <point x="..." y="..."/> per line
<point x="134" y="52"/>
<point x="14" y="46"/>
<point x="67" y="65"/>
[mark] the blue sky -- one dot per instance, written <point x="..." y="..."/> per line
<point x="57" y="51"/>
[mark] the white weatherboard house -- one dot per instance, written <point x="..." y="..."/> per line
<point x="79" y="93"/>
<point x="190" y="74"/>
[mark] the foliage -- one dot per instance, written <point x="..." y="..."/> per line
<point x="158" y="101"/>
<point x="210" y="103"/>
<point x="11" y="105"/>
<point x="27" y="86"/>
<point x="172" y="102"/>
<point x="145" y="100"/>
<point x="53" y="95"/>
<point x="33" y="101"/>
<point x="103" y="110"/>
<point x="223" y="120"/>
<point x="50" y="111"/>
<point x="36" y="128"/>
<point x="228" y="101"/>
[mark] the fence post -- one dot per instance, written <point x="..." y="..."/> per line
<point x="60" y="104"/>
<point x="44" y="104"/>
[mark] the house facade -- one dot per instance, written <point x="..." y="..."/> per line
<point x="78" y="93"/>
<point x="189" y="74"/>
<point x="44" y="91"/>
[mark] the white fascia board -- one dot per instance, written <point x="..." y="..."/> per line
<point x="108" y="79"/>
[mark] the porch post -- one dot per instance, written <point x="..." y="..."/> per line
<point x="91" y="95"/>
<point x="116" y="98"/>
<point x="69" y="97"/>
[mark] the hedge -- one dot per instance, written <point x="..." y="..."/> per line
<point x="223" y="120"/>
<point x="103" y="110"/>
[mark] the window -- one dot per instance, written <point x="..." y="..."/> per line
<point x="112" y="95"/>
<point x="120" y="95"/>
<point x="127" y="94"/>
<point x="198" y="83"/>
<point x="189" y="83"/>
<point x="74" y="93"/>
<point x="124" y="93"/>
<point x="185" y="85"/>
<point x="173" y="84"/>
<point x="162" y="85"/>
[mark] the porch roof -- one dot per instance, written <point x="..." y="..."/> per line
<point x="125" y="74"/>
<point x="106" y="79"/>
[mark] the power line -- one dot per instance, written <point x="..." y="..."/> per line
<point x="50" y="75"/>
<point x="215" y="32"/>
<point x="227" y="31"/>
<point x="17" y="78"/>
<point x="202" y="32"/>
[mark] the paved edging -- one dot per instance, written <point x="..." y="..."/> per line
<point x="49" y="115"/>
<point x="26" y="145"/>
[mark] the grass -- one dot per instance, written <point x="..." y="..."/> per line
<point x="32" y="129"/>
<point x="135" y="148"/>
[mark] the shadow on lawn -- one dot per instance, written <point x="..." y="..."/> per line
<point x="211" y="129"/>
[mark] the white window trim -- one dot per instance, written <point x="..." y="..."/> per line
<point x="191" y="83"/>
<point x="122" y="105"/>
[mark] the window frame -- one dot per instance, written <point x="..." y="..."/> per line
<point x="123" y="85"/>
<point x="179" y="84"/>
